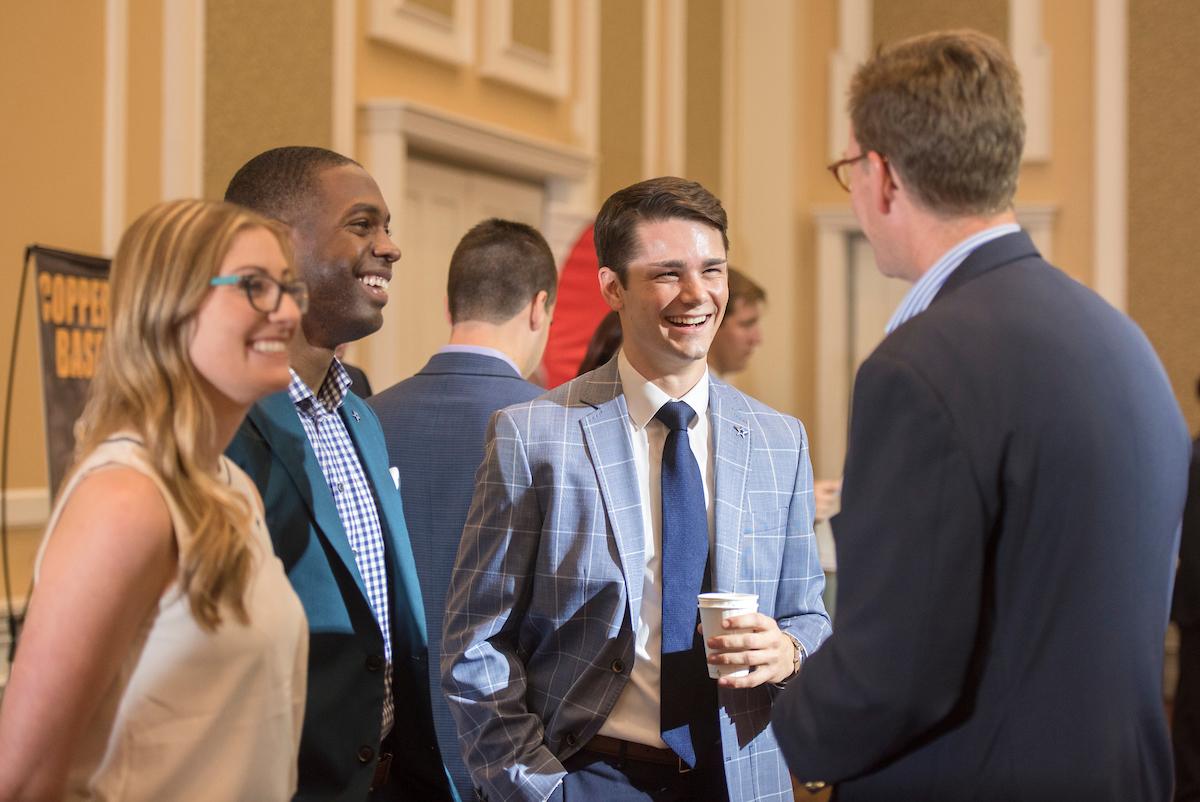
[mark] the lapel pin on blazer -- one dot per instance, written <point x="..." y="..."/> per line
<point x="742" y="431"/>
<point x="354" y="412"/>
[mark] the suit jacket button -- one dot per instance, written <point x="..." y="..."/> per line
<point x="618" y="667"/>
<point x="571" y="739"/>
<point x="374" y="662"/>
<point x="365" y="754"/>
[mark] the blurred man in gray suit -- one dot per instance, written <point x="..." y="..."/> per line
<point x="501" y="292"/>
<point x="571" y="659"/>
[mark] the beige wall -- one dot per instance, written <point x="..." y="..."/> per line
<point x="143" y="173"/>
<point x="1066" y="180"/>
<point x="705" y="104"/>
<point x="263" y="89"/>
<point x="1164" y="187"/>
<point x="52" y="68"/>
<point x="385" y="70"/>
<point x="621" y="112"/>
<point x="899" y="19"/>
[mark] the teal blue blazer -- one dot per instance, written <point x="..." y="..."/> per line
<point x="340" y="740"/>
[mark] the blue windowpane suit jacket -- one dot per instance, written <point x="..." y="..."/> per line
<point x="435" y="423"/>
<point x="344" y="704"/>
<point x="538" y="639"/>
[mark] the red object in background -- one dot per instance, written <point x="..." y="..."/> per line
<point x="579" y="309"/>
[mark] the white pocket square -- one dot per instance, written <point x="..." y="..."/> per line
<point x="395" y="472"/>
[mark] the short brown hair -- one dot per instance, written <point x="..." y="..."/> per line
<point x="649" y="201"/>
<point x="497" y="268"/>
<point x="742" y="288"/>
<point x="945" y="109"/>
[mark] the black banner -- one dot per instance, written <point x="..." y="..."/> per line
<point x="72" y="301"/>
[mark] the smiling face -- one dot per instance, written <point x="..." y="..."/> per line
<point x="345" y="252"/>
<point x="672" y="300"/>
<point x="241" y="353"/>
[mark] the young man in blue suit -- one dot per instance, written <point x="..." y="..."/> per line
<point x="571" y="658"/>
<point x="1013" y="488"/>
<point x="317" y="455"/>
<point x="501" y="292"/>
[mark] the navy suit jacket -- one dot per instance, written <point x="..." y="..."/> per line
<point x="342" y="715"/>
<point x="435" y="425"/>
<point x="1014" y="480"/>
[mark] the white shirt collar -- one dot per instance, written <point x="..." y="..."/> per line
<point x="644" y="398"/>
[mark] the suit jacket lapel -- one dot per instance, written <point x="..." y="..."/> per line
<point x="373" y="456"/>
<point x="605" y="431"/>
<point x="729" y="419"/>
<point x="276" y="417"/>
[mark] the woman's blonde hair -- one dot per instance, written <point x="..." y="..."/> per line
<point x="145" y="383"/>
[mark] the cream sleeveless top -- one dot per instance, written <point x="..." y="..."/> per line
<point x="193" y="715"/>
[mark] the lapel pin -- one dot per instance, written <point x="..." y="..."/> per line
<point x="354" y="412"/>
<point x="742" y="431"/>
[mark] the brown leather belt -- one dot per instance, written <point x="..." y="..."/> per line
<point x="628" y="750"/>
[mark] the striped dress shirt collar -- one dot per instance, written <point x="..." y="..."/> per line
<point x="922" y="293"/>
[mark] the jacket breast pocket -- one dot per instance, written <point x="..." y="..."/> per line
<point x="769" y="522"/>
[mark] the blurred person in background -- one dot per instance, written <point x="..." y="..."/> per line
<point x="500" y="292"/>
<point x="740" y="333"/>
<point x="605" y="342"/>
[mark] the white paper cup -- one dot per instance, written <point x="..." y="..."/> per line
<point x="714" y="609"/>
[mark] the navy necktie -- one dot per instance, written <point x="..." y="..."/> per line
<point x="684" y="678"/>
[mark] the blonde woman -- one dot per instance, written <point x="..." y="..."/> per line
<point x="164" y="653"/>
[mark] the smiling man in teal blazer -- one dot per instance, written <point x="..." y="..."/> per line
<point x="317" y="454"/>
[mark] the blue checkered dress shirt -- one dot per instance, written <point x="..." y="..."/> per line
<point x="353" y="497"/>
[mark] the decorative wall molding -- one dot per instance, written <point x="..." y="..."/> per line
<point x="1032" y="57"/>
<point x="183" y="99"/>
<point x="730" y="105"/>
<point x="345" y="39"/>
<point x="674" y="45"/>
<point x="664" y="88"/>
<point x="504" y="59"/>
<point x="854" y="44"/>
<point x="1029" y="51"/>
<point x="651" y="89"/>
<point x="837" y="228"/>
<point x="585" y="114"/>
<point x="761" y="194"/>
<point x="394" y="129"/>
<point x="469" y="141"/>
<point x="28" y="506"/>
<point x="1110" y="222"/>
<point x="407" y="24"/>
<point x="116" y="105"/>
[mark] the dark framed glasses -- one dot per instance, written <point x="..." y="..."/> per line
<point x="264" y="292"/>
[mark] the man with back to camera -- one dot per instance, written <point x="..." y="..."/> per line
<point x="571" y="659"/>
<point x="1013" y="487"/>
<point x="740" y="333"/>
<point x="500" y="293"/>
<point x="317" y="454"/>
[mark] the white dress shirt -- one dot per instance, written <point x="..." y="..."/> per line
<point x="635" y="715"/>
